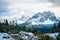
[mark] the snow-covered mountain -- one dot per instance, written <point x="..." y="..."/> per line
<point x="43" y="18"/>
<point x="24" y="18"/>
<point x="43" y="22"/>
<point x="58" y="18"/>
<point x="48" y="21"/>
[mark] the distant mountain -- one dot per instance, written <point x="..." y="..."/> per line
<point x="58" y="18"/>
<point x="40" y="21"/>
<point x="41" y="18"/>
<point x="24" y="18"/>
<point x="45" y="17"/>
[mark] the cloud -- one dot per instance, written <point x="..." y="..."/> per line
<point x="56" y="2"/>
<point x="3" y="6"/>
<point x="9" y="7"/>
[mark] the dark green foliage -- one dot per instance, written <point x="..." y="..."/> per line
<point x="14" y="29"/>
<point x="17" y="37"/>
<point x="6" y="27"/>
<point x="36" y="32"/>
<point x="28" y="29"/>
<point x="47" y="37"/>
<point x="55" y="28"/>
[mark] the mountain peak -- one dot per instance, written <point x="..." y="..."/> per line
<point x="45" y="17"/>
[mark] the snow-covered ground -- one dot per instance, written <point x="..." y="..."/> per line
<point x="54" y="35"/>
<point x="5" y="34"/>
<point x="2" y="35"/>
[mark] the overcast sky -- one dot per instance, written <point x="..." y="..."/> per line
<point x="15" y="8"/>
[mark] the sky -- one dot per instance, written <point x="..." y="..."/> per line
<point x="17" y="8"/>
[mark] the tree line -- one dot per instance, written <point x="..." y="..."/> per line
<point x="9" y="27"/>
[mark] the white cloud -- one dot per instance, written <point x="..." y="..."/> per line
<point x="56" y="2"/>
<point x="56" y="10"/>
<point x="29" y="7"/>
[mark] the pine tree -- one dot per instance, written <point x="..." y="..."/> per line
<point x="59" y="24"/>
<point x="54" y="26"/>
<point x="0" y="23"/>
<point x="16" y="23"/>
<point x="10" y="22"/>
<point x="6" y="22"/>
<point x="13" y="23"/>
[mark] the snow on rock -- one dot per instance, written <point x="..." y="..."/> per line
<point x="48" y="21"/>
<point x="2" y="35"/>
<point x="34" y="23"/>
<point x="43" y="18"/>
<point x="52" y="35"/>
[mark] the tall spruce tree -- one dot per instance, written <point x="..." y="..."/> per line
<point x="6" y="22"/>
<point x="13" y="23"/>
<point x="59" y="24"/>
<point x="0" y="23"/>
<point x="54" y="26"/>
